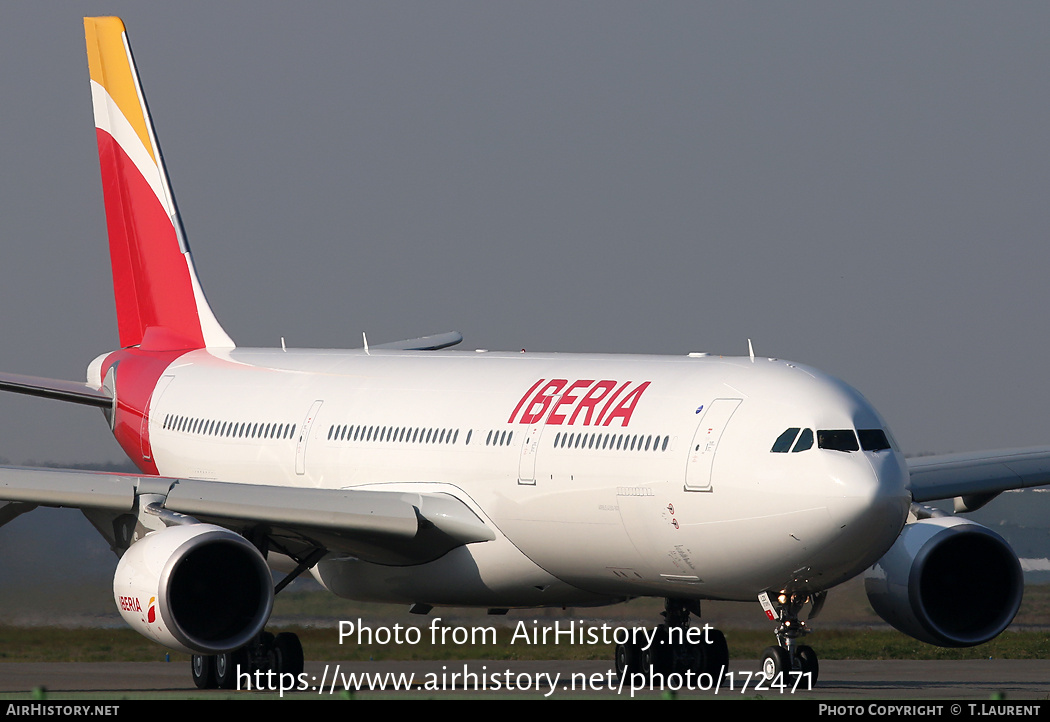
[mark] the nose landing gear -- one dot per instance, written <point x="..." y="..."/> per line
<point x="790" y="656"/>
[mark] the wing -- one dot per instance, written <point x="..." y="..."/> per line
<point x="973" y="479"/>
<point x="386" y="527"/>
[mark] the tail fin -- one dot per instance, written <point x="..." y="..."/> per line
<point x="160" y="304"/>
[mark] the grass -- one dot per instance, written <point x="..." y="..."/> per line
<point x="846" y="629"/>
<point x="42" y="644"/>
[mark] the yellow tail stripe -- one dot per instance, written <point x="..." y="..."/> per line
<point x="111" y="68"/>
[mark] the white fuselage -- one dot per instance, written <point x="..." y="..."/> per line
<point x="604" y="477"/>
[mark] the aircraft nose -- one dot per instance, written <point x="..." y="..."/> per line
<point x="869" y="505"/>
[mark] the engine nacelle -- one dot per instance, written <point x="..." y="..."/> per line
<point x="947" y="581"/>
<point x="196" y="588"/>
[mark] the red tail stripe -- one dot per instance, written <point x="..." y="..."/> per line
<point x="151" y="279"/>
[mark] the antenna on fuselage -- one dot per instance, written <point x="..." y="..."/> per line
<point x="751" y="350"/>
<point x="365" y="339"/>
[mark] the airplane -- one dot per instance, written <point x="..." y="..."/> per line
<point x="414" y="474"/>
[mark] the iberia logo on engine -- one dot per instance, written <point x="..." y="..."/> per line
<point x="132" y="604"/>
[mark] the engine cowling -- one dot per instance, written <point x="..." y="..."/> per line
<point x="947" y="581"/>
<point x="197" y="588"/>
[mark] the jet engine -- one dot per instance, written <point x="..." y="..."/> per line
<point x="947" y="581"/>
<point x="196" y="588"/>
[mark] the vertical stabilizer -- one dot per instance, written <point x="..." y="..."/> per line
<point x="160" y="304"/>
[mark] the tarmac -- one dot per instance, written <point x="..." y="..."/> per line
<point x="976" y="680"/>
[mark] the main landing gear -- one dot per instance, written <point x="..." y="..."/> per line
<point x="268" y="655"/>
<point x="789" y="656"/>
<point x="278" y="655"/>
<point x="676" y="647"/>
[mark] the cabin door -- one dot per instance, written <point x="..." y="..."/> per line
<point x="702" y="451"/>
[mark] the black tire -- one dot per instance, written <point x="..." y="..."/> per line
<point x="659" y="657"/>
<point x="775" y="661"/>
<point x="716" y="657"/>
<point x="288" y="654"/>
<point x="227" y="665"/>
<point x="807" y="662"/>
<point x="202" y="666"/>
<point x="691" y="657"/>
<point x="628" y="658"/>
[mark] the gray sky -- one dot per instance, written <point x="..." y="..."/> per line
<point x="859" y="187"/>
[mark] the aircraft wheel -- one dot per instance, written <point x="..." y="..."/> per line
<point x="226" y="666"/>
<point x="716" y="659"/>
<point x="775" y="661"/>
<point x="628" y="658"/>
<point x="659" y="656"/>
<point x="655" y="659"/>
<point x="203" y="668"/>
<point x="288" y="654"/>
<point x="807" y="662"/>
<point x="692" y="657"/>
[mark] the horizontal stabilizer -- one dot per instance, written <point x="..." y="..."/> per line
<point x="424" y="343"/>
<point x="76" y="392"/>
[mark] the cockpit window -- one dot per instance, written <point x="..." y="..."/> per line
<point x="805" y="441"/>
<point x="783" y="442"/>
<point x="837" y="439"/>
<point x="873" y="439"/>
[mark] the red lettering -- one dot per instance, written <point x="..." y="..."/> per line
<point x="591" y="399"/>
<point x="609" y="403"/>
<point x="516" y="408"/>
<point x="543" y="400"/>
<point x="130" y="604"/>
<point x="534" y="405"/>
<point x="555" y="418"/>
<point x="626" y="407"/>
